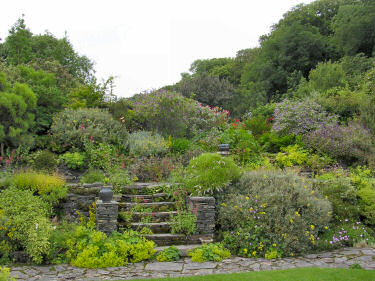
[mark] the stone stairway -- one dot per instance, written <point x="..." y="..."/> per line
<point x="146" y="205"/>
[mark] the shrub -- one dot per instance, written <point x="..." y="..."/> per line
<point x="71" y="128"/>
<point x="169" y="254"/>
<point x="171" y="114"/>
<point x="299" y="118"/>
<point x="58" y="242"/>
<point x="152" y="169"/>
<point x="210" y="172"/>
<point x="242" y="143"/>
<point x="209" y="252"/>
<point x="93" y="249"/>
<point x="50" y="187"/>
<point x="5" y="274"/>
<point x="119" y="178"/>
<point x="28" y="227"/>
<point x="184" y="222"/>
<point x="145" y="143"/>
<point x="346" y="234"/>
<point x="342" y="195"/>
<point x="92" y="176"/>
<point x="273" y="142"/>
<point x="44" y="160"/>
<point x="292" y="155"/>
<point x="258" y="125"/>
<point x="75" y="160"/>
<point x="270" y="210"/>
<point x="180" y="145"/>
<point x="349" y="144"/>
<point x="100" y="156"/>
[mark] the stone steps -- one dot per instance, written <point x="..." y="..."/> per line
<point x="142" y="188"/>
<point x="156" y="227"/>
<point x="155" y="206"/>
<point x="143" y="198"/>
<point x="154" y="216"/>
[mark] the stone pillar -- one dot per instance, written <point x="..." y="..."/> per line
<point x="204" y="208"/>
<point x="106" y="216"/>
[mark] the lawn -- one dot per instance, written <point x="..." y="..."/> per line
<point x="299" y="274"/>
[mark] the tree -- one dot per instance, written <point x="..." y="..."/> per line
<point x="354" y="28"/>
<point x="16" y="118"/>
<point x="208" y="89"/>
<point x="18" y="44"/>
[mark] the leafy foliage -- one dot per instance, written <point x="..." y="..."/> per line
<point x="27" y="225"/>
<point x="184" y="223"/>
<point x="169" y="254"/>
<point x="209" y="252"/>
<point x="93" y="249"/>
<point x="210" y="172"/>
<point x="75" y="160"/>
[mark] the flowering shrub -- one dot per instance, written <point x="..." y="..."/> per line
<point x="71" y="128"/>
<point x="172" y="114"/>
<point x="26" y="224"/>
<point x="210" y="172"/>
<point x="272" y="213"/>
<point x="300" y="117"/>
<point x="349" y="144"/>
<point x="346" y="234"/>
<point x="152" y="169"/>
<point x="143" y="143"/>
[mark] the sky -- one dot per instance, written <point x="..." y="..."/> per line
<point x="147" y="44"/>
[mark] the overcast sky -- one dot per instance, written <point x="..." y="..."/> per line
<point x="147" y="44"/>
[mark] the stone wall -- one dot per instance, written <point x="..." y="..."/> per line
<point x="80" y="198"/>
<point x="204" y="208"/>
<point x="106" y="216"/>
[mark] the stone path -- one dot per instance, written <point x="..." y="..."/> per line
<point x="342" y="258"/>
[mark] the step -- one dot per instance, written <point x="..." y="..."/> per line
<point x="184" y="249"/>
<point x="167" y="239"/>
<point x="141" y="187"/>
<point x="146" y="198"/>
<point x="156" y="227"/>
<point x="155" y="216"/>
<point x="155" y="206"/>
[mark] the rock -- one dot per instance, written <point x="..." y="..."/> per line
<point x="163" y="266"/>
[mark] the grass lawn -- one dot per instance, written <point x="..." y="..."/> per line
<point x="305" y="274"/>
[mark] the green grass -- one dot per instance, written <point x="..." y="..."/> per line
<point x="299" y="274"/>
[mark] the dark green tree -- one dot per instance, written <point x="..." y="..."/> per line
<point x="16" y="112"/>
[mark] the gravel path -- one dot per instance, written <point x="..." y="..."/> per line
<point x="342" y="258"/>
